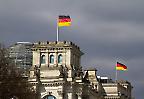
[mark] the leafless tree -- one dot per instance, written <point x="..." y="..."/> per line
<point x="13" y="85"/>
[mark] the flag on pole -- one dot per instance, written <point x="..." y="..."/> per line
<point x="64" y="21"/>
<point x="120" y="66"/>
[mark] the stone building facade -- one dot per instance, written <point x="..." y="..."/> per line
<point x="56" y="73"/>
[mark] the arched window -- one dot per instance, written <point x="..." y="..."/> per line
<point x="43" y="59"/>
<point x="49" y="97"/>
<point x="51" y="59"/>
<point x="60" y="58"/>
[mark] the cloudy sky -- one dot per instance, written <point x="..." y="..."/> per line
<point x="106" y="30"/>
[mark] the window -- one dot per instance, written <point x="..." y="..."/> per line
<point x="60" y="58"/>
<point x="49" y="97"/>
<point x="43" y="60"/>
<point x="51" y="59"/>
<point x="76" y="96"/>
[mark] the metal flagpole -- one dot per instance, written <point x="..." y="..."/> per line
<point x="57" y="31"/>
<point x="116" y="76"/>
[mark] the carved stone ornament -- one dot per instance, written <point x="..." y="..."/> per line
<point x="59" y="92"/>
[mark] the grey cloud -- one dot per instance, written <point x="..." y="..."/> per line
<point x="112" y="10"/>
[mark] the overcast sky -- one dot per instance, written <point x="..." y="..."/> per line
<point x="106" y="31"/>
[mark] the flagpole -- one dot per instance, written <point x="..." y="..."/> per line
<point x="57" y="31"/>
<point x="116" y="75"/>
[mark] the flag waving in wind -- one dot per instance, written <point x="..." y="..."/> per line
<point x="64" y="21"/>
<point x="120" y="66"/>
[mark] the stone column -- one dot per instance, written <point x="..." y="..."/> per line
<point x="79" y="95"/>
<point x="48" y="58"/>
<point x="56" y="58"/>
<point x="70" y="96"/>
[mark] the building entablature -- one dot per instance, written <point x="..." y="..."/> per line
<point x="52" y="84"/>
<point x="112" y="97"/>
<point x="109" y="84"/>
<point x="51" y="46"/>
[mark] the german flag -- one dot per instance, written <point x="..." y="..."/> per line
<point x="64" y="21"/>
<point x="120" y="66"/>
